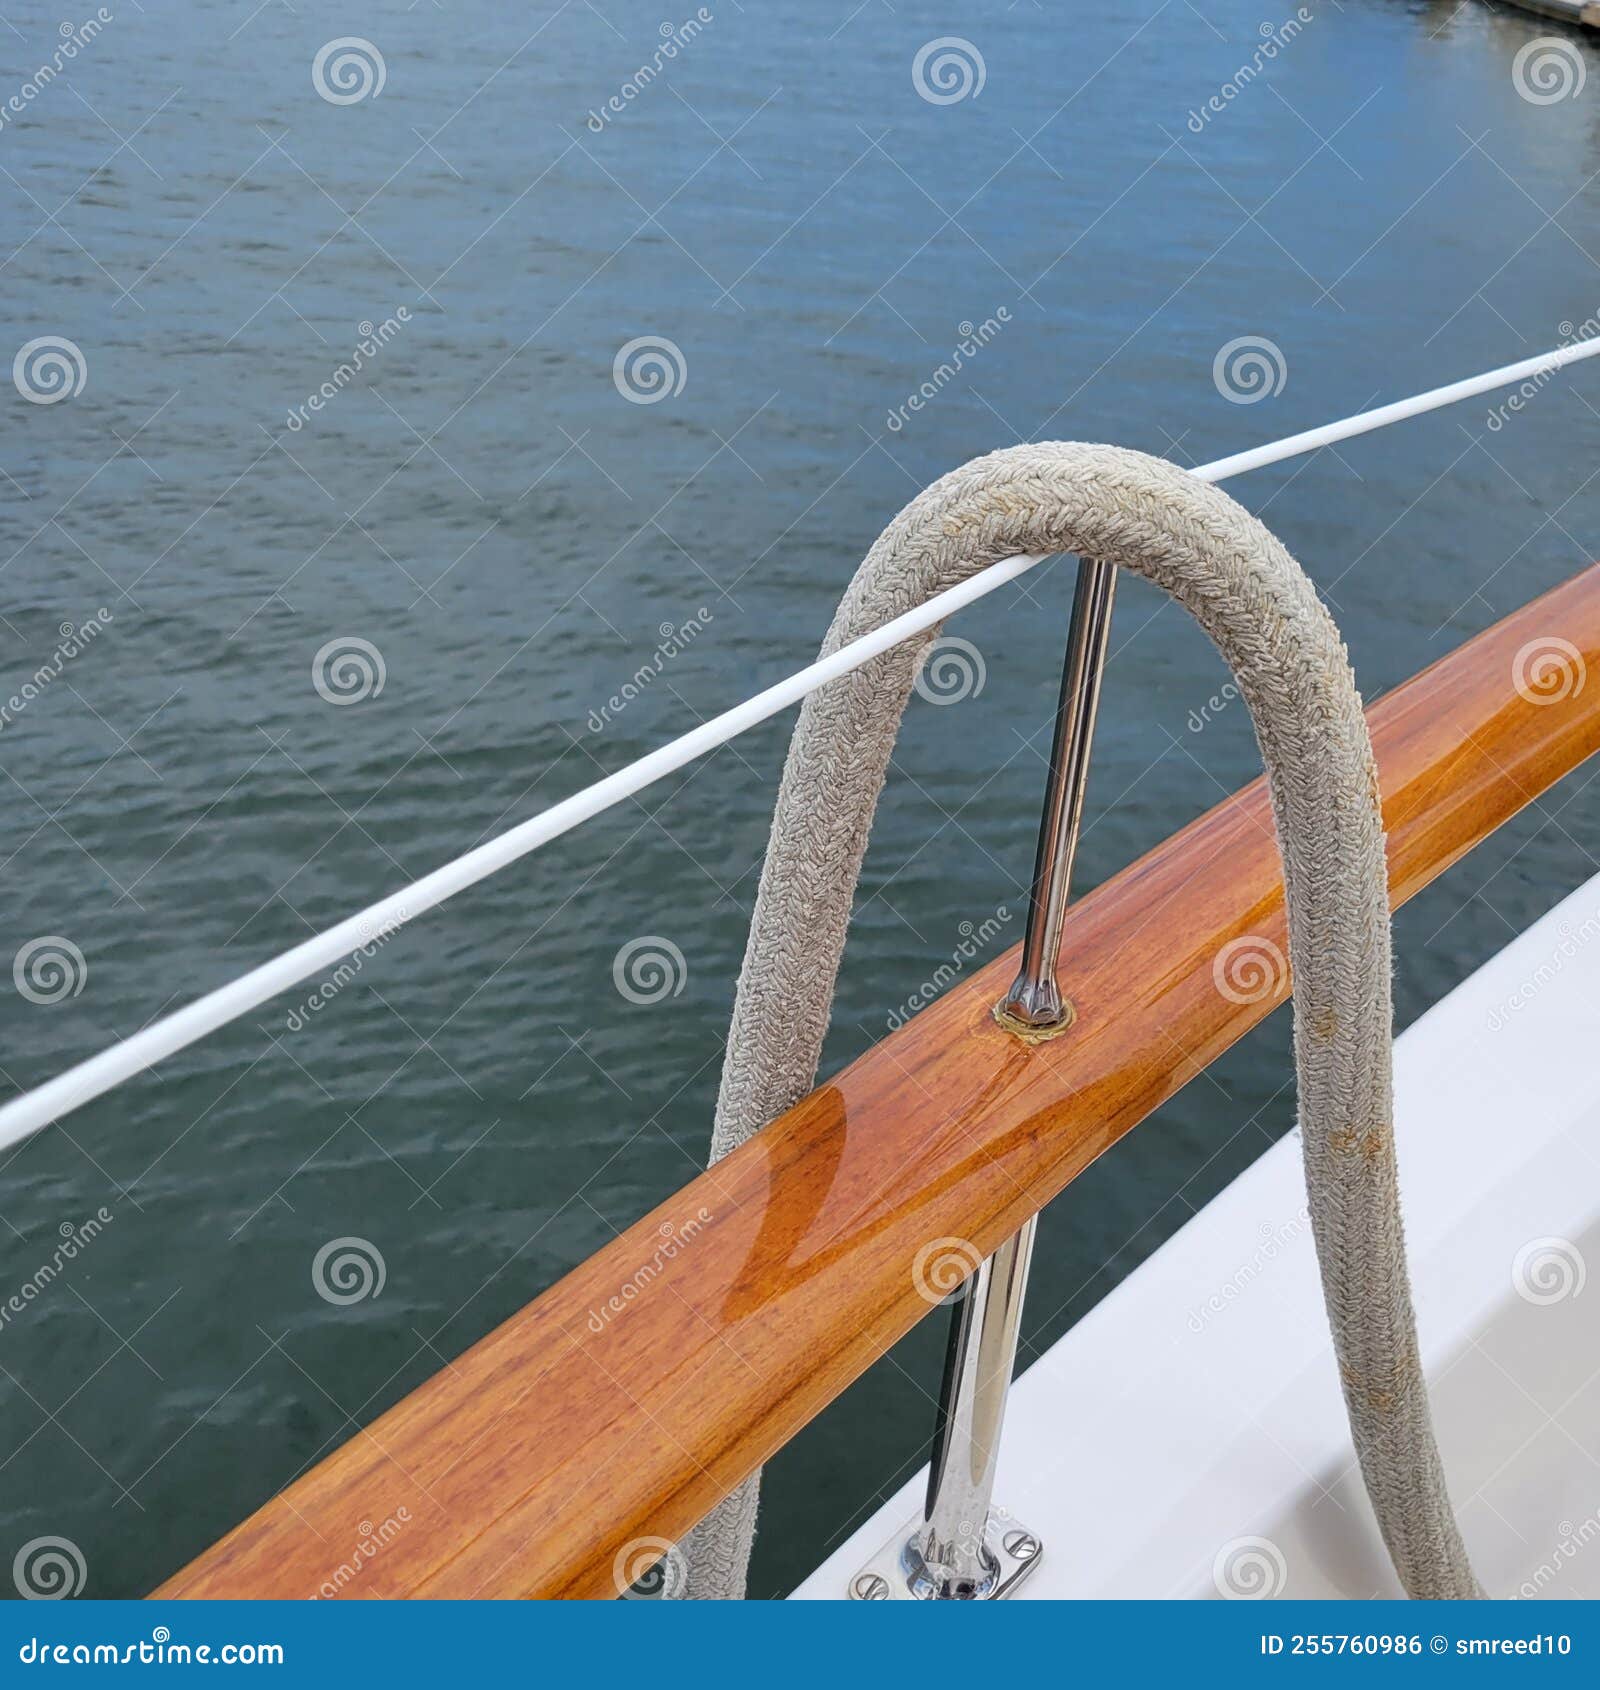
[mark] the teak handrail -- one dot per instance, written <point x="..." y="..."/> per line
<point x="550" y="1448"/>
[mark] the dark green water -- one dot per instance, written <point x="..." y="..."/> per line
<point x="486" y="509"/>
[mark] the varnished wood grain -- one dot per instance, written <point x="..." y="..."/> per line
<point x="563" y="1437"/>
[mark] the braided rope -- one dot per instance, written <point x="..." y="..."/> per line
<point x="1263" y="614"/>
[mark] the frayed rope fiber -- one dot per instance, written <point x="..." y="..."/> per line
<point x="1262" y="613"/>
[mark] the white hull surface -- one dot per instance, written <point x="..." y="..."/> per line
<point x="1187" y="1438"/>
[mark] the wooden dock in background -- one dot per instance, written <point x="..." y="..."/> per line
<point x="1581" y="14"/>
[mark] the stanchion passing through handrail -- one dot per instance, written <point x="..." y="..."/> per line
<point x="548" y="1458"/>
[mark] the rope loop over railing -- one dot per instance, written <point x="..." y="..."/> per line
<point x="1263" y="614"/>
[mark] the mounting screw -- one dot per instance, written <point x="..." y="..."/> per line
<point x="1021" y="1546"/>
<point x="870" y="1587"/>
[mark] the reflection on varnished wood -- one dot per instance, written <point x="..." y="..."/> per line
<point x="551" y="1445"/>
<point x="930" y="1135"/>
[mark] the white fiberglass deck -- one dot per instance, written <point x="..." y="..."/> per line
<point x="1187" y="1437"/>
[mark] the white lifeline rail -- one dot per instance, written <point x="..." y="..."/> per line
<point x="25" y="1115"/>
